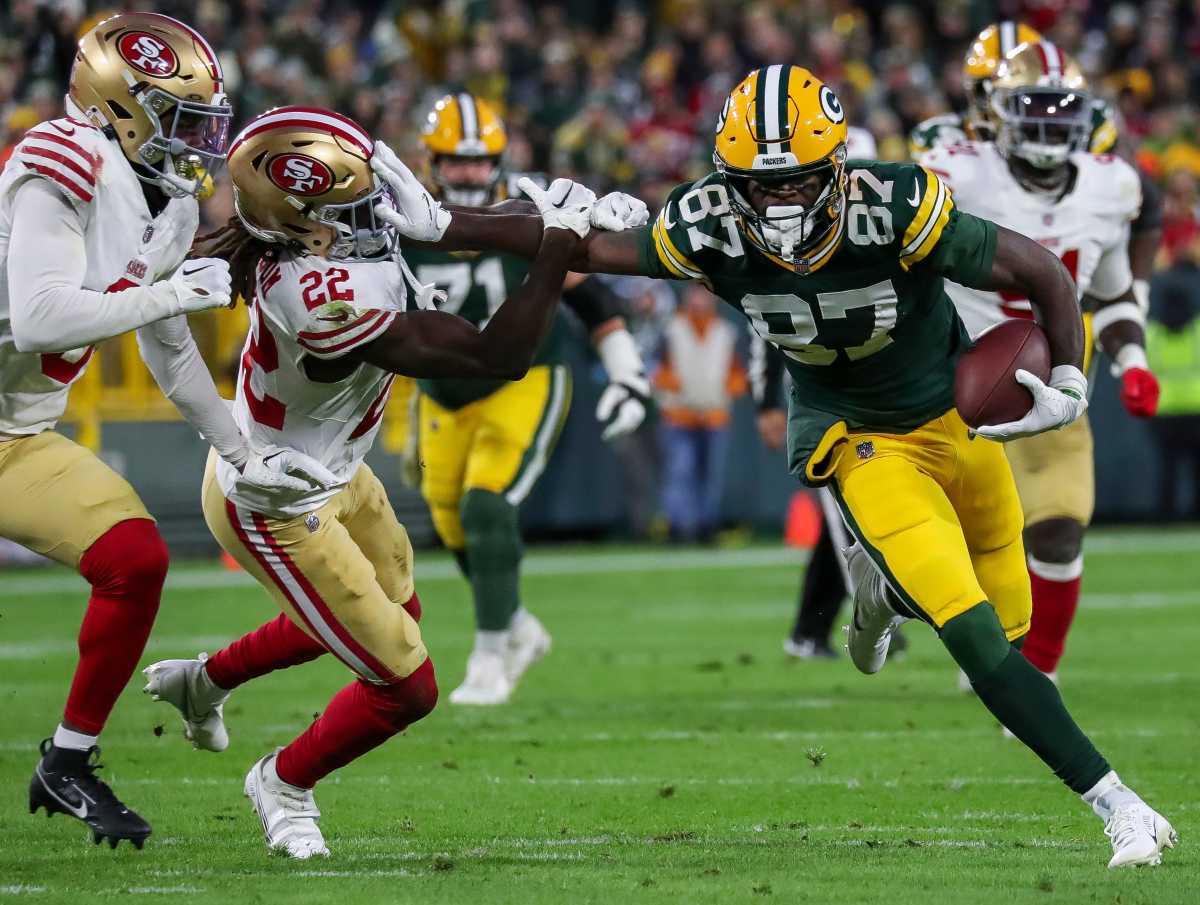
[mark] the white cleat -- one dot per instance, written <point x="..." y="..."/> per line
<point x="528" y="642"/>
<point x="288" y="813"/>
<point x="186" y="686"/>
<point x="872" y="619"/>
<point x="487" y="682"/>
<point x="1138" y="834"/>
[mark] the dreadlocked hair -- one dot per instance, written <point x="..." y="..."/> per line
<point x="243" y="252"/>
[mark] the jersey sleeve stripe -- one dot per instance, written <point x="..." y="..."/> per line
<point x="671" y="257"/>
<point x="369" y="331"/>
<point x="927" y="241"/>
<point x="58" y="177"/>
<point x="33" y="139"/>
<point x="925" y="211"/>
<point x="62" y="160"/>
<point x="329" y="334"/>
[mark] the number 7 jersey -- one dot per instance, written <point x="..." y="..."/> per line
<point x="308" y="307"/>
<point x="867" y="331"/>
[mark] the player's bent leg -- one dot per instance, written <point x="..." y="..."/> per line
<point x="360" y="717"/>
<point x="63" y="502"/>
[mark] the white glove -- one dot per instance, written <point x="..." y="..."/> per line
<point x="170" y="237"/>
<point x="200" y="284"/>
<point x="1055" y="405"/>
<point x="416" y="215"/>
<point x="276" y="468"/>
<point x="622" y="406"/>
<point x="617" y="211"/>
<point x="564" y="205"/>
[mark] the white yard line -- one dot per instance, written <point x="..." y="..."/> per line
<point x="654" y="559"/>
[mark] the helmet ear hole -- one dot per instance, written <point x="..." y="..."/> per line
<point x="118" y="111"/>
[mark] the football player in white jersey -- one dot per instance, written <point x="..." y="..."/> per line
<point x="335" y="314"/>
<point x="97" y="210"/>
<point x="1038" y="178"/>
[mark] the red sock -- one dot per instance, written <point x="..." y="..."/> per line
<point x="413" y="605"/>
<point x="274" y="645"/>
<point x="360" y="717"/>
<point x="1055" y="598"/>
<point x="126" y="568"/>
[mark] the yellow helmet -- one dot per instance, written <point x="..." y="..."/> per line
<point x="155" y="85"/>
<point x="1042" y="112"/>
<point x="302" y="177"/>
<point x="984" y="55"/>
<point x="465" y="126"/>
<point x="780" y="125"/>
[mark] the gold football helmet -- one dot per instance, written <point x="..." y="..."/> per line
<point x="461" y="130"/>
<point x="302" y="178"/>
<point x="984" y="56"/>
<point x="1042" y="112"/>
<point x="780" y="126"/>
<point x="155" y="85"/>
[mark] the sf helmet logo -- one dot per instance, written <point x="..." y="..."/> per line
<point x="147" y="53"/>
<point x="300" y="174"/>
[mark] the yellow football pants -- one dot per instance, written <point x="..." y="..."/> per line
<point x="940" y="516"/>
<point x="59" y="498"/>
<point x="500" y="443"/>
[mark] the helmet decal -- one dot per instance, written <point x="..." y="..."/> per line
<point x="831" y="106"/>
<point x="300" y="174"/>
<point x="148" y="54"/>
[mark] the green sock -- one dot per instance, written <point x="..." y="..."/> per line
<point x="493" y="557"/>
<point x="1022" y="698"/>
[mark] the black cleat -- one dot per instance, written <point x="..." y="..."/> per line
<point x="65" y="782"/>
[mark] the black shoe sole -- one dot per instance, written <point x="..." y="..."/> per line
<point x="40" y="798"/>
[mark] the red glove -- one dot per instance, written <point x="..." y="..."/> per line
<point x="1139" y="392"/>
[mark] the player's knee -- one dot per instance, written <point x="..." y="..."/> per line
<point x="129" y="557"/>
<point x="491" y="527"/>
<point x="976" y="641"/>
<point x="410" y="699"/>
<point x="1055" y="540"/>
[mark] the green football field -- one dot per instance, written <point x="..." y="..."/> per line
<point x="666" y="751"/>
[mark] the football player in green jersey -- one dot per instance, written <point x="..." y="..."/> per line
<point x="840" y="264"/>
<point x="483" y="444"/>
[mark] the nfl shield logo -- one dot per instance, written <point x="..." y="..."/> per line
<point x="1047" y="219"/>
<point x="865" y="450"/>
<point x="311" y="522"/>
<point x="148" y="234"/>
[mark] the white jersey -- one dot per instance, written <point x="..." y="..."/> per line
<point x="1088" y="228"/>
<point x="93" y="175"/>
<point x="308" y="306"/>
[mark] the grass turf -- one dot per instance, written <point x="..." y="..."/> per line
<point x="667" y="751"/>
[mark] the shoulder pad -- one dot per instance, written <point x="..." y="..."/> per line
<point x="697" y="230"/>
<point x="920" y="206"/>
<point x="66" y="153"/>
<point x="1109" y="185"/>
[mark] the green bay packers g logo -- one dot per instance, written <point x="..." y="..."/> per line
<point x="831" y="106"/>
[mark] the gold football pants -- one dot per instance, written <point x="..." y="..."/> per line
<point x="940" y="517"/>
<point x="500" y="444"/>
<point x="342" y="572"/>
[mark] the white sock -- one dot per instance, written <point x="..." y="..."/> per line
<point x="75" y="741"/>
<point x="491" y="642"/>
<point x="520" y="617"/>
<point x="207" y="681"/>
<point x="1108" y="794"/>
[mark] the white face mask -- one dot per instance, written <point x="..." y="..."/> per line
<point x="785" y="226"/>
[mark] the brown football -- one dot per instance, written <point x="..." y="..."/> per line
<point x="985" y="390"/>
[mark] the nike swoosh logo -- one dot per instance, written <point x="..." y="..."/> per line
<point x="666" y="218"/>
<point x="188" y="273"/>
<point x="80" y="810"/>
<point x="916" y="198"/>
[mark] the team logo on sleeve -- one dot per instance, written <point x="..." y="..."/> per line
<point x="831" y="106"/>
<point x="147" y="53"/>
<point x="300" y="174"/>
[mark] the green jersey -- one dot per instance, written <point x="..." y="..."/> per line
<point x="476" y="284"/>
<point x="869" y="335"/>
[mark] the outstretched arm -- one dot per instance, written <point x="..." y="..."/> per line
<point x="436" y="344"/>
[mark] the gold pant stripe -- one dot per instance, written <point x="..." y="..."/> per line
<point x="59" y="498"/>
<point x="553" y="418"/>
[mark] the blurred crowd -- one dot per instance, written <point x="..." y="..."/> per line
<point x="626" y="93"/>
